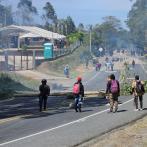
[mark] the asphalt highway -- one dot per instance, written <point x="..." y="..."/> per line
<point x="64" y="127"/>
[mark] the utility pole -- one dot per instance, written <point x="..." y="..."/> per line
<point x="90" y="29"/>
<point x="5" y="18"/>
<point x="90" y="41"/>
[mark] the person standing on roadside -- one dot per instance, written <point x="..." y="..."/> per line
<point x="43" y="95"/>
<point x="78" y="92"/>
<point x="133" y="63"/>
<point x="113" y="92"/>
<point x="66" y="71"/>
<point x="138" y="92"/>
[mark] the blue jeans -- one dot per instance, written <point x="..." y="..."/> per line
<point x="78" y="103"/>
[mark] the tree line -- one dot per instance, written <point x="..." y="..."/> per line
<point x="109" y="35"/>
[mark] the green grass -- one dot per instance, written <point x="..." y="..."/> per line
<point x="72" y="60"/>
<point x="11" y="83"/>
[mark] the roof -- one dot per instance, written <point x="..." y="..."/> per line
<point x="32" y="31"/>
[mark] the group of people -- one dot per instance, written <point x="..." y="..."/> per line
<point x="112" y="93"/>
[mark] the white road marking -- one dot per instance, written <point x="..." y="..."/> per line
<point x="91" y="78"/>
<point x="61" y="126"/>
<point x="110" y="71"/>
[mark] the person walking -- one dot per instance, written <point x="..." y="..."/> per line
<point x="78" y="92"/>
<point x="133" y="63"/>
<point x="113" y="92"/>
<point x="43" y="95"/>
<point x="66" y="71"/>
<point x="138" y="92"/>
<point x="107" y="93"/>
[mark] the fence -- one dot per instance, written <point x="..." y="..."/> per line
<point x="11" y="60"/>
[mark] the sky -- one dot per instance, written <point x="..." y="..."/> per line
<point x="84" y="11"/>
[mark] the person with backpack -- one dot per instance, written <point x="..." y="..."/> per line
<point x="113" y="90"/>
<point x="43" y="95"/>
<point x="78" y="92"/>
<point x="138" y="92"/>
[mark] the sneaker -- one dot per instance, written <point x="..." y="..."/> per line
<point x="141" y="109"/>
<point x="115" y="110"/>
<point x="136" y="109"/>
<point x="76" y="110"/>
<point x="110" y="111"/>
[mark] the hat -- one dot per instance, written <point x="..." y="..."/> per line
<point x="79" y="78"/>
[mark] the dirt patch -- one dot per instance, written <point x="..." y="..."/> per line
<point x="134" y="135"/>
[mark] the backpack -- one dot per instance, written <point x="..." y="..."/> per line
<point x="114" y="87"/>
<point x="76" y="88"/>
<point x="138" y="88"/>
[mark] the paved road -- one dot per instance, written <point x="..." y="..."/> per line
<point x="63" y="127"/>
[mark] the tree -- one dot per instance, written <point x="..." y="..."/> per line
<point x="61" y="26"/>
<point x="5" y="15"/>
<point x="70" y="26"/>
<point x="137" y="22"/>
<point x="81" y="27"/>
<point x="109" y="32"/>
<point x="26" y="10"/>
<point x="50" y="14"/>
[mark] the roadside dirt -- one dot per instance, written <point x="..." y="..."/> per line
<point x="132" y="135"/>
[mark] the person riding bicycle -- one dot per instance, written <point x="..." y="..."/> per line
<point x="78" y="92"/>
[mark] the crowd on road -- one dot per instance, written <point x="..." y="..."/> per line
<point x="112" y="93"/>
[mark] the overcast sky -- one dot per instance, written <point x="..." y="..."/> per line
<point x="85" y="11"/>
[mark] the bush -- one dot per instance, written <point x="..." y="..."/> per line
<point x="126" y="88"/>
<point x="6" y="93"/>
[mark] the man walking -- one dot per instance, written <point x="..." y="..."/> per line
<point x="113" y="92"/>
<point x="138" y="92"/>
<point x="44" y="93"/>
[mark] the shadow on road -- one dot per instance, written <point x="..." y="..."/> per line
<point x="27" y="107"/>
<point x="121" y="111"/>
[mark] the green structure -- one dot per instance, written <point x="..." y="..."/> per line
<point x="48" y="50"/>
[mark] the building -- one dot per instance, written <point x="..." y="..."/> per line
<point x="14" y="36"/>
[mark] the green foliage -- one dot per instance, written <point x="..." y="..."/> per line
<point x="75" y="36"/>
<point x="125" y="89"/>
<point x="110" y="35"/>
<point x="137" y="22"/>
<point x="26" y="9"/>
<point x="71" y="28"/>
<point x="5" y="90"/>
<point x="11" y="84"/>
<point x="50" y="14"/>
<point x="145" y="85"/>
<point x="5" y="15"/>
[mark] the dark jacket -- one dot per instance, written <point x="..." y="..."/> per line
<point x="108" y="89"/>
<point x="81" y="89"/>
<point x="44" y="90"/>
